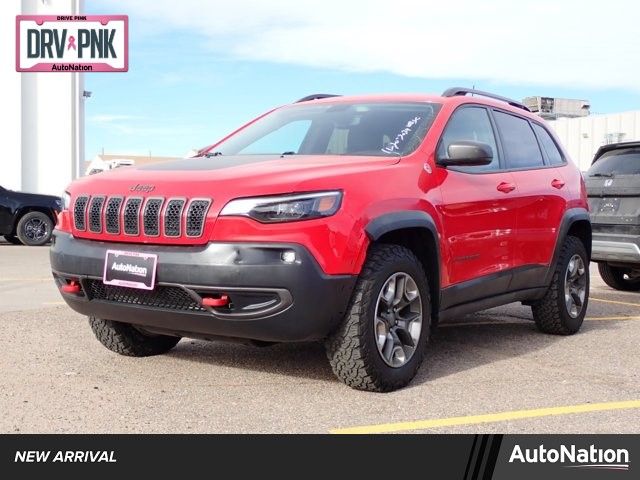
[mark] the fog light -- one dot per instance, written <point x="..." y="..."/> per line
<point x="288" y="256"/>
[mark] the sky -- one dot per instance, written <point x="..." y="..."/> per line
<point x="198" y="69"/>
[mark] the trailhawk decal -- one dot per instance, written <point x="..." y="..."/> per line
<point x="72" y="43"/>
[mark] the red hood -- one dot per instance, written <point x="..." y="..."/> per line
<point x="224" y="178"/>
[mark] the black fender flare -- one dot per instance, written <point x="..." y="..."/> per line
<point x="403" y="219"/>
<point x="399" y="220"/>
<point x="570" y="217"/>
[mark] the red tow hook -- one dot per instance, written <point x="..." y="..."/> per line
<point x="221" y="301"/>
<point x="71" y="287"/>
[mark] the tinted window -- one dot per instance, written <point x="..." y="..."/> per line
<point x="625" y="161"/>
<point x="549" y="146"/>
<point x="470" y="124"/>
<point x="379" y="129"/>
<point x="518" y="141"/>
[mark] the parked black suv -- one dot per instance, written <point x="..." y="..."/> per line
<point x="613" y="187"/>
<point x="27" y="218"/>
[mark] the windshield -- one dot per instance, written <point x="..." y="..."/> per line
<point x="380" y="129"/>
<point x="618" y="162"/>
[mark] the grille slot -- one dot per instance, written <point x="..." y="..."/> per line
<point x="151" y="217"/>
<point x="131" y="216"/>
<point x="173" y="217"/>
<point x="196" y="213"/>
<point x="164" y="297"/>
<point x="80" y="212"/>
<point x="95" y="214"/>
<point x="112" y="215"/>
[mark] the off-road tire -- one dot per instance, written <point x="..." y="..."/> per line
<point x="21" y="230"/>
<point x="550" y="313"/>
<point x="614" y="277"/>
<point x="127" y="340"/>
<point x="352" y="349"/>
<point x="13" y="240"/>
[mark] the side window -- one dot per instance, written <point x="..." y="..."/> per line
<point x="549" y="145"/>
<point x="520" y="145"/>
<point x="470" y="124"/>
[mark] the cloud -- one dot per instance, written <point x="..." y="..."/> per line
<point x="545" y="42"/>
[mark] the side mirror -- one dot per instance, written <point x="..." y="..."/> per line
<point x="467" y="154"/>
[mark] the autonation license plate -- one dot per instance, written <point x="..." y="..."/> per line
<point x="130" y="269"/>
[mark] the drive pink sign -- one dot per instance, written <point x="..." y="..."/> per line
<point x="72" y="43"/>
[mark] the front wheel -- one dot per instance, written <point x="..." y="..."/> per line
<point x="382" y="340"/>
<point x="34" y="229"/>
<point x="127" y="340"/>
<point x="619" y="278"/>
<point x="561" y="311"/>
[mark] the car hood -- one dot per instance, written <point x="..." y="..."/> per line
<point x="230" y="176"/>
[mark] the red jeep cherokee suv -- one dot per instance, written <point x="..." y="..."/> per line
<point x="360" y="221"/>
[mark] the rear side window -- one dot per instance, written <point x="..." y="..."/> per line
<point x="549" y="146"/>
<point x="519" y="143"/>
<point x="625" y="161"/>
<point x="470" y="124"/>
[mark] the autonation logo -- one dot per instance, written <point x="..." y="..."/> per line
<point x="129" y="268"/>
<point x="574" y="457"/>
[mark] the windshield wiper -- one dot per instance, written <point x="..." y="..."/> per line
<point x="213" y="154"/>
<point x="602" y="175"/>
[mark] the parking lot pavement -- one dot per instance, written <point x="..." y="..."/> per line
<point x="487" y="372"/>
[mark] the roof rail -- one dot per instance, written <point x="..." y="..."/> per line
<point x="460" y="91"/>
<point x="316" y="96"/>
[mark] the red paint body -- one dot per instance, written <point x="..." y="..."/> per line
<point x="486" y="222"/>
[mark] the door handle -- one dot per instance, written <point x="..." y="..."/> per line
<point x="557" y="183"/>
<point x="505" y="187"/>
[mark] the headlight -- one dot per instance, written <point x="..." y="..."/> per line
<point x="66" y="201"/>
<point x="286" y="208"/>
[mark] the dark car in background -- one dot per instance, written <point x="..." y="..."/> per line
<point x="613" y="188"/>
<point x="27" y="218"/>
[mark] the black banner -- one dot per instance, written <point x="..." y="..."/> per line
<point x="467" y="457"/>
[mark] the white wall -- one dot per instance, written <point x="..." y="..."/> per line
<point x="583" y="136"/>
<point x="10" y="88"/>
<point x="43" y="122"/>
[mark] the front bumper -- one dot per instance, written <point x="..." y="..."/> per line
<point x="271" y="300"/>
<point x="615" y="248"/>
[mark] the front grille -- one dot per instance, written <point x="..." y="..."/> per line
<point x="112" y="215"/>
<point x="132" y="216"/>
<point x="80" y="212"/>
<point x="136" y="216"/>
<point x="196" y="214"/>
<point x="173" y="217"/>
<point x="164" y="297"/>
<point x="95" y="214"/>
<point x="151" y="217"/>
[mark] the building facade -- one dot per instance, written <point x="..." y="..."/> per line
<point x="43" y="121"/>
<point x="583" y="136"/>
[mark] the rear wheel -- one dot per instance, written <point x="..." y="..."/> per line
<point x="562" y="310"/>
<point x="619" y="278"/>
<point x="34" y="229"/>
<point x="127" y="340"/>
<point x="382" y="340"/>
<point x="13" y="240"/>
